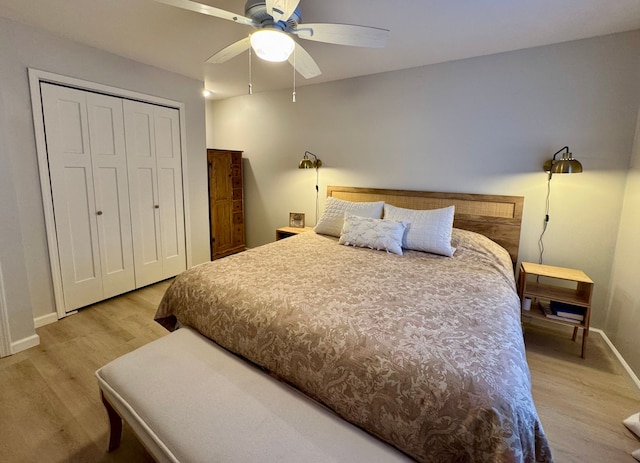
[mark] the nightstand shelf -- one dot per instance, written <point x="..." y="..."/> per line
<point x="562" y="285"/>
<point x="557" y="293"/>
<point x="286" y="232"/>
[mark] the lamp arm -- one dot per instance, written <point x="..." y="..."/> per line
<point x="566" y="148"/>
<point x="560" y="151"/>
<point x="309" y="152"/>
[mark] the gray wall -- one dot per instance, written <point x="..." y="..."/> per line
<point x="23" y="247"/>
<point x="481" y="125"/>
<point x="12" y="261"/>
<point x="623" y="315"/>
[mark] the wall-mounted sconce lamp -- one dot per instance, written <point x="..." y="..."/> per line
<point x="566" y="165"/>
<point x="307" y="163"/>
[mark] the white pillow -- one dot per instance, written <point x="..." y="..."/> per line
<point x="379" y="234"/>
<point x="427" y="230"/>
<point x="335" y="210"/>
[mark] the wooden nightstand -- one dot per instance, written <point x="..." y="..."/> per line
<point x="554" y="291"/>
<point x="286" y="232"/>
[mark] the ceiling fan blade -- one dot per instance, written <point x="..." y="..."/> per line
<point x="281" y="10"/>
<point x="344" y="34"/>
<point x="209" y="10"/>
<point x="231" y="51"/>
<point x="303" y="63"/>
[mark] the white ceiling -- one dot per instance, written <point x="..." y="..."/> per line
<point x="422" y="32"/>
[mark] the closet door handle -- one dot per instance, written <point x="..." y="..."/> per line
<point x="157" y="206"/>
<point x="99" y="213"/>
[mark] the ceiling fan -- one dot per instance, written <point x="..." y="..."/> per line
<point x="277" y="21"/>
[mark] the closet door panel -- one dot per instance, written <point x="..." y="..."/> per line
<point x="168" y="158"/>
<point x="112" y="250"/>
<point x="72" y="188"/>
<point x="145" y="214"/>
<point x="169" y="215"/>
<point x="77" y="222"/>
<point x="106" y="129"/>
<point x="147" y="249"/>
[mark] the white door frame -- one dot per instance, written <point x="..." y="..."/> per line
<point x="35" y="77"/>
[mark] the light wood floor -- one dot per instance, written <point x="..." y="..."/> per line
<point x="581" y="402"/>
<point x="50" y="409"/>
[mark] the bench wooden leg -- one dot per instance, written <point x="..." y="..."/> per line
<point x="115" y="424"/>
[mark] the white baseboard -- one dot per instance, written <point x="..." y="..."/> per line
<point x="621" y="359"/>
<point x="45" y="319"/>
<point x="25" y="344"/>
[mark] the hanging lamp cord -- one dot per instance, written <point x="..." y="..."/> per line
<point x="546" y="220"/>
<point x="317" y="195"/>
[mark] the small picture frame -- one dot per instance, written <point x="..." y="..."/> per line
<point x="296" y="219"/>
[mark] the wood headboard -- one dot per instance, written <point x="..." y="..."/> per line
<point x="495" y="216"/>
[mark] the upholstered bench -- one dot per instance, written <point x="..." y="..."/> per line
<point x="189" y="400"/>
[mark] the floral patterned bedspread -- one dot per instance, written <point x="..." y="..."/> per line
<point x="425" y="352"/>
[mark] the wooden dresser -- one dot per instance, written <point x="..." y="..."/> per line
<point x="226" y="203"/>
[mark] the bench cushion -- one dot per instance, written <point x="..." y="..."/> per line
<point x="190" y="400"/>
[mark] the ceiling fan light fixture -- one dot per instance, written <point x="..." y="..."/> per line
<point x="272" y="45"/>
<point x="275" y="22"/>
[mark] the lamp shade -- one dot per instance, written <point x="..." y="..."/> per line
<point x="272" y="45"/>
<point x="566" y="165"/>
<point x="307" y="163"/>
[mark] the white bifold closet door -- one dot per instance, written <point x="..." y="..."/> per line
<point x="155" y="183"/>
<point x="88" y="172"/>
<point x="116" y="183"/>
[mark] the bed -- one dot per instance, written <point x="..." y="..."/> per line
<point x="420" y="350"/>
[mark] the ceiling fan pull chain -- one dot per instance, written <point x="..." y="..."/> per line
<point x="294" y="75"/>
<point x="250" y="84"/>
